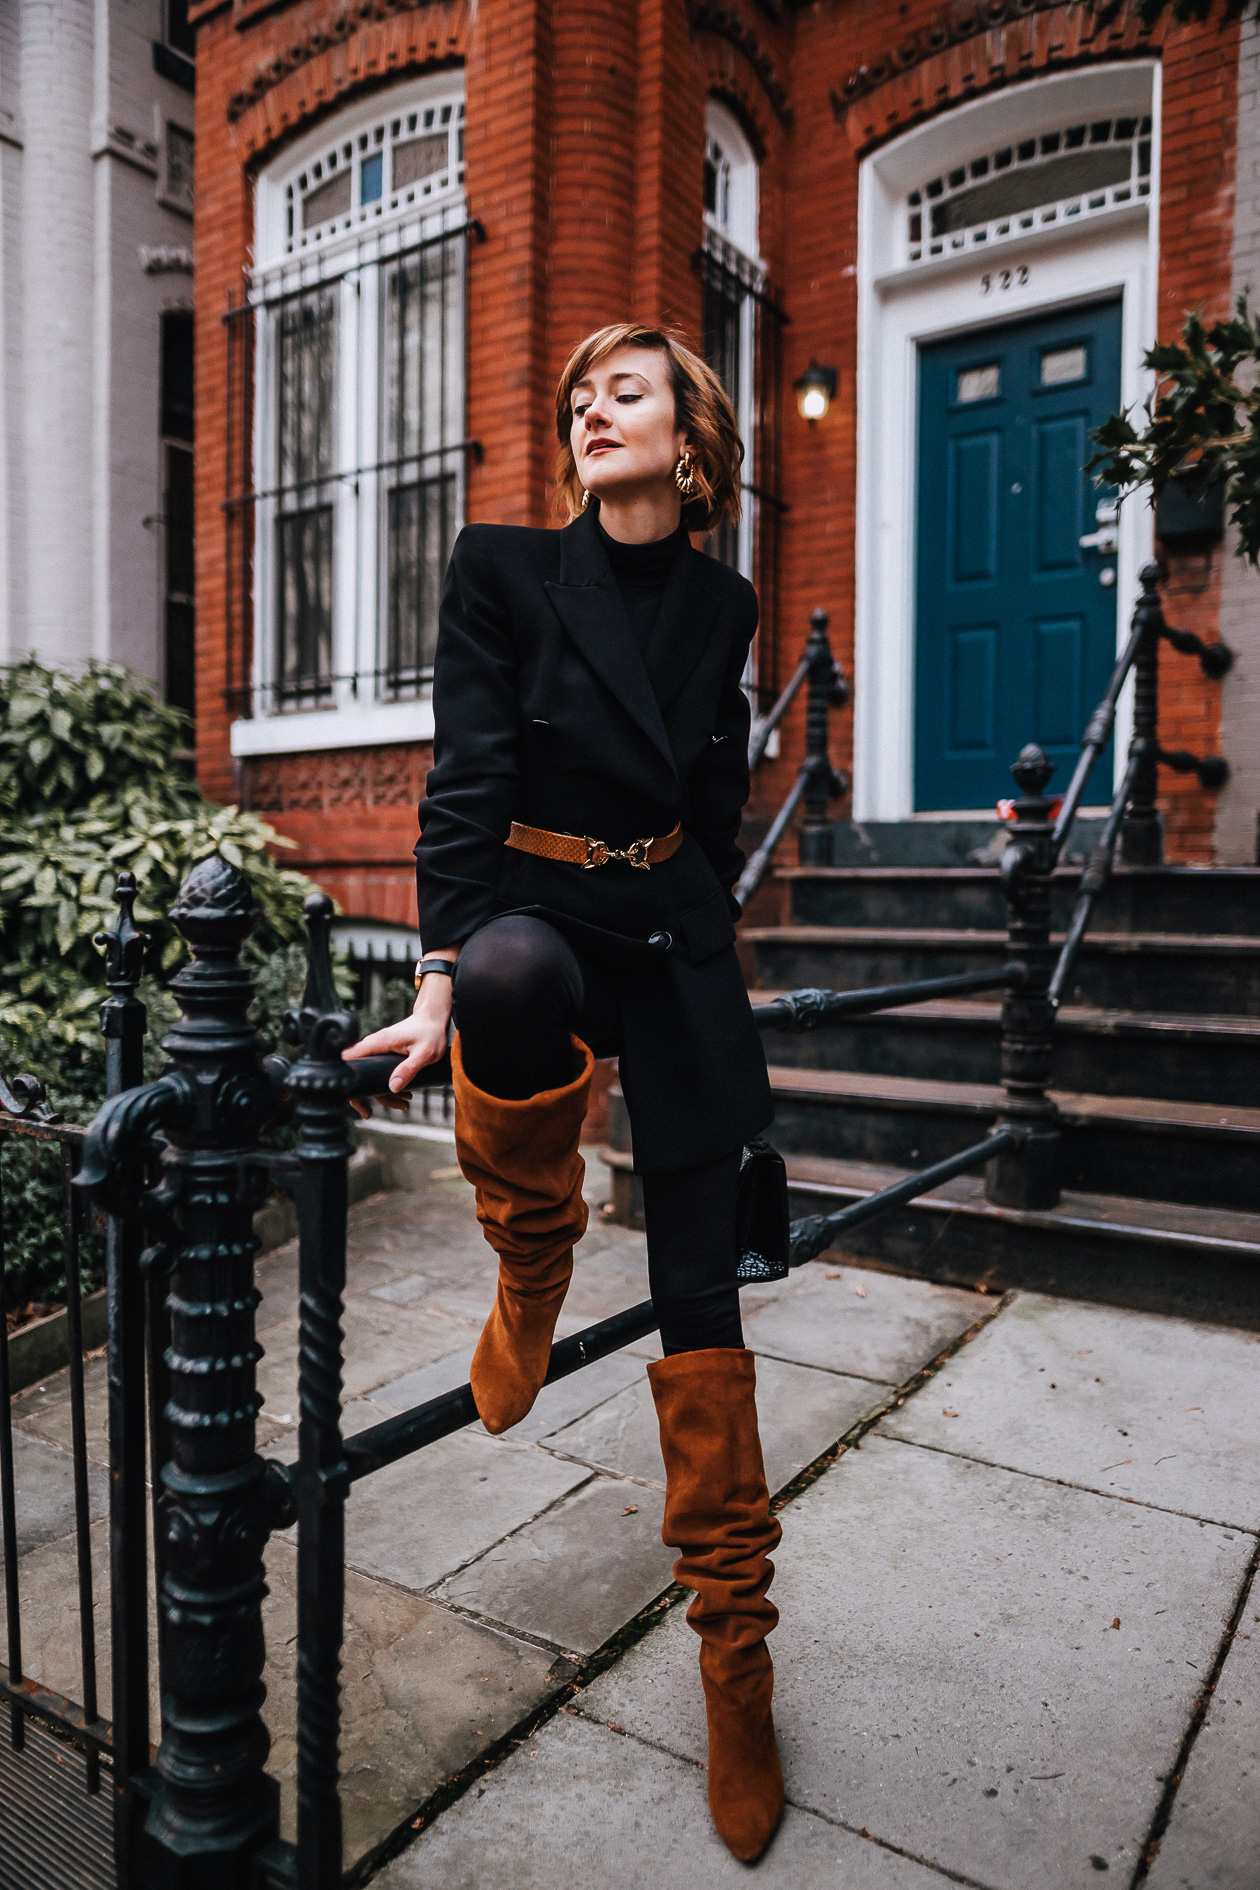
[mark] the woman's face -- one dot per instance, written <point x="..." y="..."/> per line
<point x="625" y="436"/>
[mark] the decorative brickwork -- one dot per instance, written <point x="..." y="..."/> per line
<point x="391" y="776"/>
<point x="965" y="50"/>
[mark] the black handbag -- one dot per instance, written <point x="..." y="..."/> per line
<point x="761" y="1214"/>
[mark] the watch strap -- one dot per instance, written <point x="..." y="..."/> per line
<point x="423" y="965"/>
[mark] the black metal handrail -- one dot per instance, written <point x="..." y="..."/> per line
<point x="763" y="726"/>
<point x="812" y="1009"/>
<point x="1141" y="652"/>
<point x="1133" y="819"/>
<point x="817" y="783"/>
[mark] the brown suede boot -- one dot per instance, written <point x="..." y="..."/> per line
<point x="717" y="1512"/>
<point x="522" y="1158"/>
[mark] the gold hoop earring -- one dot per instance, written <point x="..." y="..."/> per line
<point x="585" y="497"/>
<point x="684" y="474"/>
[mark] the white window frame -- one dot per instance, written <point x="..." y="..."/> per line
<point x="735" y="223"/>
<point x="349" y="252"/>
<point x="902" y="305"/>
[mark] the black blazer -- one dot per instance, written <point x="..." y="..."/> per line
<point x="546" y="713"/>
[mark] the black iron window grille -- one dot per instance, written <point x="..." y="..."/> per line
<point x="422" y="334"/>
<point x="743" y="323"/>
<point x="346" y="387"/>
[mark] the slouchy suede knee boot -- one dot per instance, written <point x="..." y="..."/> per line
<point x="717" y="1514"/>
<point x="522" y="1159"/>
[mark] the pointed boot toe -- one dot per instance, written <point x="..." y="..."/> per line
<point x="745" y="1776"/>
<point x="513" y="1353"/>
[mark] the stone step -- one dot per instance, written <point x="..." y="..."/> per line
<point x="1193" y="1153"/>
<point x="1184" y="973"/>
<point x="1100" y="1052"/>
<point x="1201" y="1262"/>
<point x="1138" y="899"/>
<point x="1157" y="1256"/>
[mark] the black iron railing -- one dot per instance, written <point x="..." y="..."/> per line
<point x="817" y="783"/>
<point x="182" y="1315"/>
<point x="136" y="1347"/>
<point x="1133" y="818"/>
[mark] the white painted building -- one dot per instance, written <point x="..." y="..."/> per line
<point x="96" y="146"/>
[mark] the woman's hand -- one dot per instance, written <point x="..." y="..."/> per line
<point x="419" y="1039"/>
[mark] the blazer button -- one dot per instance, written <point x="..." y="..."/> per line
<point x="662" y="940"/>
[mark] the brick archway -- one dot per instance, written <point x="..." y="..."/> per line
<point x="915" y="82"/>
<point x="356" y="50"/>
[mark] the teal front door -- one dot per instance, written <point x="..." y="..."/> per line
<point x="1015" y="631"/>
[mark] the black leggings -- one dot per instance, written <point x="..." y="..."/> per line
<point x="520" y="994"/>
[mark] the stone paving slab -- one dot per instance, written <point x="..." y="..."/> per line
<point x="555" y="1405"/>
<point x="49" y="1594"/>
<point x="867" y="1325"/>
<point x="382" y="1343"/>
<point x="424" y="1692"/>
<point x="802" y="1413"/>
<point x="43" y="1410"/>
<point x="1213" y="1837"/>
<point x="948" y="1675"/>
<point x="580" y="1805"/>
<point x="43" y="1480"/>
<point x="420" y="1519"/>
<point x="1159" y="1410"/>
<point x="579" y="1573"/>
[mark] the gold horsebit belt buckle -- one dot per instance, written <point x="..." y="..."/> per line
<point x="599" y="853"/>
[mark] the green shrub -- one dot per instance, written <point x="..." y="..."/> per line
<point x="94" y="779"/>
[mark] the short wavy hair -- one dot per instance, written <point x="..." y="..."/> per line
<point x="702" y="407"/>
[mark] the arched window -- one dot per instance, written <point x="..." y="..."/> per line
<point x="734" y="277"/>
<point x="356" y="315"/>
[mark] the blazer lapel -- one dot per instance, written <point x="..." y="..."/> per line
<point x="589" y="605"/>
<point x="684" y="624"/>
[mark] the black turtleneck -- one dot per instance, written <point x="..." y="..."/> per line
<point x="641" y="573"/>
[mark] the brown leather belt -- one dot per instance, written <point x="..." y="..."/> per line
<point x="578" y="850"/>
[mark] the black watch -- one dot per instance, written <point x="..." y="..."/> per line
<point x="444" y="965"/>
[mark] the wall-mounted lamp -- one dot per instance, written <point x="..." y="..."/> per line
<point x="815" y="391"/>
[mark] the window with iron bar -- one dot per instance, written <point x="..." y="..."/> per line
<point x="346" y="417"/>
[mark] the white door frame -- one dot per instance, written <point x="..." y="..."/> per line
<point x="902" y="305"/>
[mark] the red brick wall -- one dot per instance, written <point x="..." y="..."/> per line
<point x="1196" y="229"/>
<point x="584" y="153"/>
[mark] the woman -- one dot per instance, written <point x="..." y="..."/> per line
<point x="577" y="854"/>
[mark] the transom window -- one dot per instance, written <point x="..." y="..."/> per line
<point x="356" y="451"/>
<point x="1058" y="176"/>
<point x="406" y="158"/>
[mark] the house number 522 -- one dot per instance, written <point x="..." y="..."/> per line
<point x="1004" y="279"/>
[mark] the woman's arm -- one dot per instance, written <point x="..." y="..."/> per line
<point x="419" y="1039"/>
<point x="719" y="782"/>
<point x="467" y="810"/>
<point x="470" y="794"/>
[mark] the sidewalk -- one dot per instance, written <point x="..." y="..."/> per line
<point x="1003" y="1602"/>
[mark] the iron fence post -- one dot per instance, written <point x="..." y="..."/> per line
<point x="1142" y="838"/>
<point x="123" y="1026"/>
<point x="214" y="1807"/>
<point x="321" y="1192"/>
<point x="827" y="690"/>
<point x="1027" y="1174"/>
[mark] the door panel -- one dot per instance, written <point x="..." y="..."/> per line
<point x="1062" y="448"/>
<point x="1058" y="650"/>
<point x="973" y="499"/>
<point x="972" y="693"/>
<point x="1015" y="632"/>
